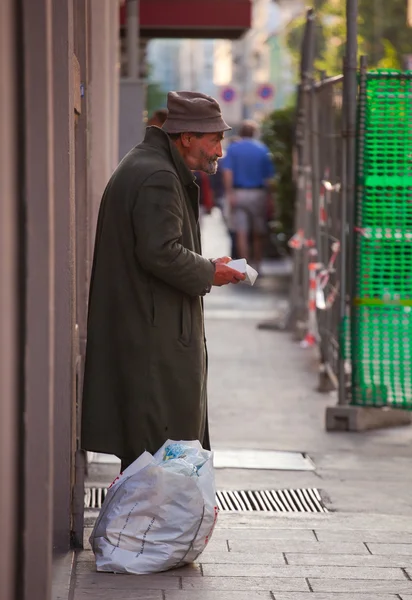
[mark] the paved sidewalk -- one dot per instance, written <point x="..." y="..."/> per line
<point x="262" y="397"/>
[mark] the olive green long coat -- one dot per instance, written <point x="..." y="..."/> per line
<point x="146" y="363"/>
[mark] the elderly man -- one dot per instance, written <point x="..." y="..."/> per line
<point x="146" y="360"/>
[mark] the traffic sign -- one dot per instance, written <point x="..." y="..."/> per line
<point x="265" y="91"/>
<point x="228" y="94"/>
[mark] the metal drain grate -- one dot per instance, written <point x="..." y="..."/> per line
<point x="300" y="500"/>
<point x="94" y="497"/>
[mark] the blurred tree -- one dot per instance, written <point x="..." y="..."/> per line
<point x="278" y="135"/>
<point x="155" y="97"/>
<point x="384" y="36"/>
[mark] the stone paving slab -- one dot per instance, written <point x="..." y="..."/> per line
<point x="355" y="586"/>
<point x="62" y="573"/>
<point x="391" y="549"/>
<point x="233" y="570"/>
<point x="241" y="533"/>
<point x="406" y="596"/>
<point x="110" y="581"/>
<point x="217" y="545"/>
<point x="213" y="595"/>
<point x="244" y="558"/>
<point x="385" y="537"/>
<point x="331" y="596"/>
<point x="84" y="556"/>
<point x="235" y="479"/>
<point x="324" y="521"/>
<point x="233" y="584"/>
<point x="297" y="547"/>
<point x="348" y="560"/>
<point x="108" y="594"/>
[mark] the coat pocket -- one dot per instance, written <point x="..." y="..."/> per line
<point x="153" y="311"/>
<point x="186" y="321"/>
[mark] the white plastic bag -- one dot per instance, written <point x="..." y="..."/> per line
<point x="159" y="513"/>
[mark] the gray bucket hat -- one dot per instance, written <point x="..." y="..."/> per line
<point x="193" y="112"/>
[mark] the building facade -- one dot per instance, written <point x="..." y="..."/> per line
<point x="257" y="66"/>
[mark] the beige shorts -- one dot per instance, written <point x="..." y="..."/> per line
<point x="249" y="211"/>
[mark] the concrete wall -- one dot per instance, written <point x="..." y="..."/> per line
<point x="131" y="115"/>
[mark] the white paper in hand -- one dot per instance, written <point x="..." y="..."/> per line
<point x="242" y="266"/>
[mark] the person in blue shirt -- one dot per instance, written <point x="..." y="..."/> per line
<point x="247" y="171"/>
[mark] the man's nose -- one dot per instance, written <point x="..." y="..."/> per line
<point x="219" y="150"/>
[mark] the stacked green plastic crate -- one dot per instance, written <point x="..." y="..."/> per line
<point x="382" y="312"/>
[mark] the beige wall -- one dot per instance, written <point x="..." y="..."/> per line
<point x="8" y="300"/>
<point x="38" y="173"/>
<point x="64" y="279"/>
<point x="103" y="100"/>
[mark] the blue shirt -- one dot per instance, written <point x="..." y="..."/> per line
<point x="250" y="162"/>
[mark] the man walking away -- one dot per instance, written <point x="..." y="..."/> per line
<point x="248" y="170"/>
<point x="146" y="361"/>
<point x="158" y="117"/>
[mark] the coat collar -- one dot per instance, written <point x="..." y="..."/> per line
<point x="156" y="137"/>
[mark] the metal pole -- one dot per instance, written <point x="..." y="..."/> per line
<point x="307" y="204"/>
<point x="315" y="151"/>
<point x="132" y="11"/>
<point x="351" y="99"/>
<point x="343" y="251"/>
<point x="298" y="301"/>
<point x="348" y="176"/>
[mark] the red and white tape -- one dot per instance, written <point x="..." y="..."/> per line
<point x="312" y="335"/>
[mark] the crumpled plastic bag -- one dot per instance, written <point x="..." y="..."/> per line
<point x="159" y="513"/>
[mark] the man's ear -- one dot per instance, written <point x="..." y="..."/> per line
<point x="185" y="139"/>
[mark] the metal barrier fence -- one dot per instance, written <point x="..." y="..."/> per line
<point x="315" y="302"/>
<point x="316" y="282"/>
<point x="352" y="285"/>
<point x="326" y="134"/>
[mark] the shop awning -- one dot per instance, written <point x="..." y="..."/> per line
<point x="227" y="19"/>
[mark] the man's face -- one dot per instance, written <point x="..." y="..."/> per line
<point x="205" y="152"/>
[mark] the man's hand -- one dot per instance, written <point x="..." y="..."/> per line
<point x="224" y="274"/>
<point x="223" y="259"/>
